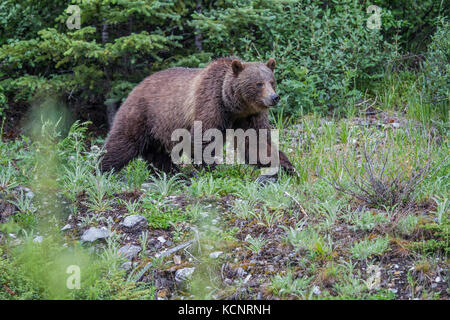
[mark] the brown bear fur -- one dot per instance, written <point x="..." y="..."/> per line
<point x="226" y="94"/>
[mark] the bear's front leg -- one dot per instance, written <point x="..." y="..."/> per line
<point x="285" y="164"/>
<point x="206" y="138"/>
<point x="261" y="122"/>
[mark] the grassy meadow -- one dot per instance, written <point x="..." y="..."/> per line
<point x="367" y="216"/>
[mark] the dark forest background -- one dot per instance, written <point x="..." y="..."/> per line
<point x="328" y="59"/>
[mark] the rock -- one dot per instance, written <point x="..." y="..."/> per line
<point x="93" y="234"/>
<point x="316" y="290"/>
<point x="265" y="179"/>
<point x="438" y="279"/>
<point x="125" y="266"/>
<point x="128" y="265"/>
<point x="135" y="222"/>
<point x="26" y="191"/>
<point x="161" y="239"/>
<point x="129" y="251"/>
<point x="66" y="227"/>
<point x="240" y="272"/>
<point x="215" y="255"/>
<point x="38" y="239"/>
<point x="396" y="125"/>
<point x="183" y="274"/>
<point x="394" y="291"/>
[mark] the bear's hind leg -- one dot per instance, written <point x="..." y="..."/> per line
<point x="160" y="159"/>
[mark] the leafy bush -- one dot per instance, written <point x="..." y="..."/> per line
<point x="411" y="22"/>
<point x="327" y="56"/>
<point x="119" y="43"/>
<point x="436" y="70"/>
<point x="323" y="53"/>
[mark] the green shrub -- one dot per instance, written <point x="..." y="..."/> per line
<point x="323" y="54"/>
<point x="436" y="71"/>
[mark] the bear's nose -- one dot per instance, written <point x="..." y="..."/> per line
<point x="275" y="98"/>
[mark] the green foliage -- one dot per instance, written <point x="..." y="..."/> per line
<point x="411" y="22"/>
<point x="326" y="54"/>
<point x="165" y="185"/>
<point x="368" y="220"/>
<point x="366" y="248"/>
<point x="322" y="53"/>
<point x="24" y="18"/>
<point x="136" y="173"/>
<point x="38" y="271"/>
<point x="283" y="285"/>
<point x="436" y="71"/>
<point x="119" y="43"/>
<point x="160" y="213"/>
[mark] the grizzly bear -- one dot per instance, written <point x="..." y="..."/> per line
<point x="226" y="94"/>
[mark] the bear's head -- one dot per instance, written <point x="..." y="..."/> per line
<point x="254" y="83"/>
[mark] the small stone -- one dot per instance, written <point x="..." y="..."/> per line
<point x="240" y="272"/>
<point x="161" y="239"/>
<point x="316" y="290"/>
<point x="396" y="125"/>
<point x="129" y="251"/>
<point x="265" y="179"/>
<point x="215" y="255"/>
<point x="183" y="274"/>
<point x="438" y="279"/>
<point x="66" y="227"/>
<point x="125" y="266"/>
<point x="93" y="234"/>
<point x="393" y="290"/>
<point x="38" y="239"/>
<point x="135" y="222"/>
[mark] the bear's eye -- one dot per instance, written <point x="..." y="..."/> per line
<point x="272" y="83"/>
<point x="259" y="84"/>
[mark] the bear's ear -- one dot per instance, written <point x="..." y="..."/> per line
<point x="271" y="63"/>
<point x="237" y="66"/>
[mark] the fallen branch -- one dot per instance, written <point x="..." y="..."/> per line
<point x="302" y="210"/>
<point x="164" y="254"/>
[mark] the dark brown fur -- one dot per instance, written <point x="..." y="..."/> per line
<point x="222" y="95"/>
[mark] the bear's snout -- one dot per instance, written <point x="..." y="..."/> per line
<point x="275" y="98"/>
